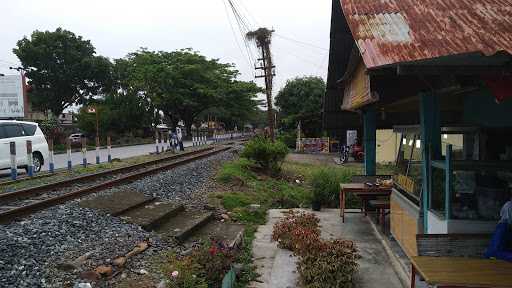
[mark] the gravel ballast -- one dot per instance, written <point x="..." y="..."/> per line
<point x="42" y="249"/>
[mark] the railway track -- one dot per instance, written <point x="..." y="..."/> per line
<point x="30" y="200"/>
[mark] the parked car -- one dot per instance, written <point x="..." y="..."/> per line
<point x="19" y="132"/>
<point x="76" y="139"/>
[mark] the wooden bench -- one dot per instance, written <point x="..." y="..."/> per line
<point x="452" y="245"/>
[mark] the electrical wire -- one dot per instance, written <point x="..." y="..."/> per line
<point x="255" y="21"/>
<point x="300" y="42"/>
<point x="244" y="27"/>
<point x="235" y="38"/>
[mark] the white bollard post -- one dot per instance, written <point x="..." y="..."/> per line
<point x="50" y="156"/>
<point x="84" y="152"/>
<point x="30" y="160"/>
<point x="109" y="149"/>
<point x="97" y="150"/>
<point x="14" y="171"/>
<point x="68" y="144"/>
<point x="156" y="143"/>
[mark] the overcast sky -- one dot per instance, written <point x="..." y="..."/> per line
<point x="117" y="27"/>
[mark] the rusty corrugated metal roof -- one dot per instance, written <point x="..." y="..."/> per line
<point x="394" y="31"/>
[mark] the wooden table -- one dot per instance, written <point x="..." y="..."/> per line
<point x="364" y="192"/>
<point x="461" y="272"/>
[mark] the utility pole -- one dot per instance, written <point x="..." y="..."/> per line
<point x="263" y="39"/>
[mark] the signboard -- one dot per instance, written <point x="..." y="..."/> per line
<point x="314" y="145"/>
<point x="351" y="137"/>
<point x="11" y="97"/>
<point x="357" y="90"/>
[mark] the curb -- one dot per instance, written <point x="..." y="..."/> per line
<point x="91" y="148"/>
<point x="399" y="269"/>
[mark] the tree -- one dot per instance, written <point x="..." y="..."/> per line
<point x="62" y="69"/>
<point x="301" y="100"/>
<point x="118" y="113"/>
<point x="237" y="105"/>
<point x="184" y="84"/>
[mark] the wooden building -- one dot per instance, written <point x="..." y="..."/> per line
<point x="440" y="73"/>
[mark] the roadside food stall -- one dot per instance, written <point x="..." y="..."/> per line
<point x="448" y="72"/>
<point x="469" y="184"/>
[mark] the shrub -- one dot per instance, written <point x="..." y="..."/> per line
<point x="329" y="264"/>
<point x="267" y="154"/>
<point x="295" y="223"/>
<point x="288" y="138"/>
<point x="326" y="187"/>
<point x="289" y="196"/>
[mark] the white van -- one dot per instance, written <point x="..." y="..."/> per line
<point x="19" y="132"/>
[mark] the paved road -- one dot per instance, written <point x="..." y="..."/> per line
<point x="61" y="160"/>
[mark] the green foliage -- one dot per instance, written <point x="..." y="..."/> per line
<point x="248" y="271"/>
<point x="269" y="155"/>
<point x="188" y="272"/>
<point x="215" y="260"/>
<point x="63" y="69"/>
<point x="286" y="196"/>
<point x="289" y="138"/>
<point x="301" y="100"/>
<point x="236" y="200"/>
<point x="51" y="127"/>
<point x="203" y="268"/>
<point x="268" y="192"/>
<point x="120" y="114"/>
<point x="183" y="84"/>
<point x="236" y="171"/>
<point x="326" y="186"/>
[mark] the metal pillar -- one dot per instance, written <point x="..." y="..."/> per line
<point x="431" y="147"/>
<point x="370" y="142"/>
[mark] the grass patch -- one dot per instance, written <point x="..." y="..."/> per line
<point x="248" y="271"/>
<point x="248" y="185"/>
<point x="236" y="171"/>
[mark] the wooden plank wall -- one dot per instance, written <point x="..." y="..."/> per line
<point x="404" y="228"/>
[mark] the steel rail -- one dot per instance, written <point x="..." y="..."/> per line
<point x="9" y="215"/>
<point x="59" y="184"/>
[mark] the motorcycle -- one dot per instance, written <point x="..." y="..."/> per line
<point x="356" y="151"/>
<point x="344" y="154"/>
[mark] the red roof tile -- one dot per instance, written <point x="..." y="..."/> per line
<point x="394" y="31"/>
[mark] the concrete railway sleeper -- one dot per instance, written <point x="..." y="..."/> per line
<point x="84" y="178"/>
<point x="18" y="211"/>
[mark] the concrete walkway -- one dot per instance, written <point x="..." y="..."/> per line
<point x="277" y="267"/>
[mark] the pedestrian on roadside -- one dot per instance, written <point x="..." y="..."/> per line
<point x="501" y="241"/>
<point x="174" y="141"/>
<point x="180" y="138"/>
